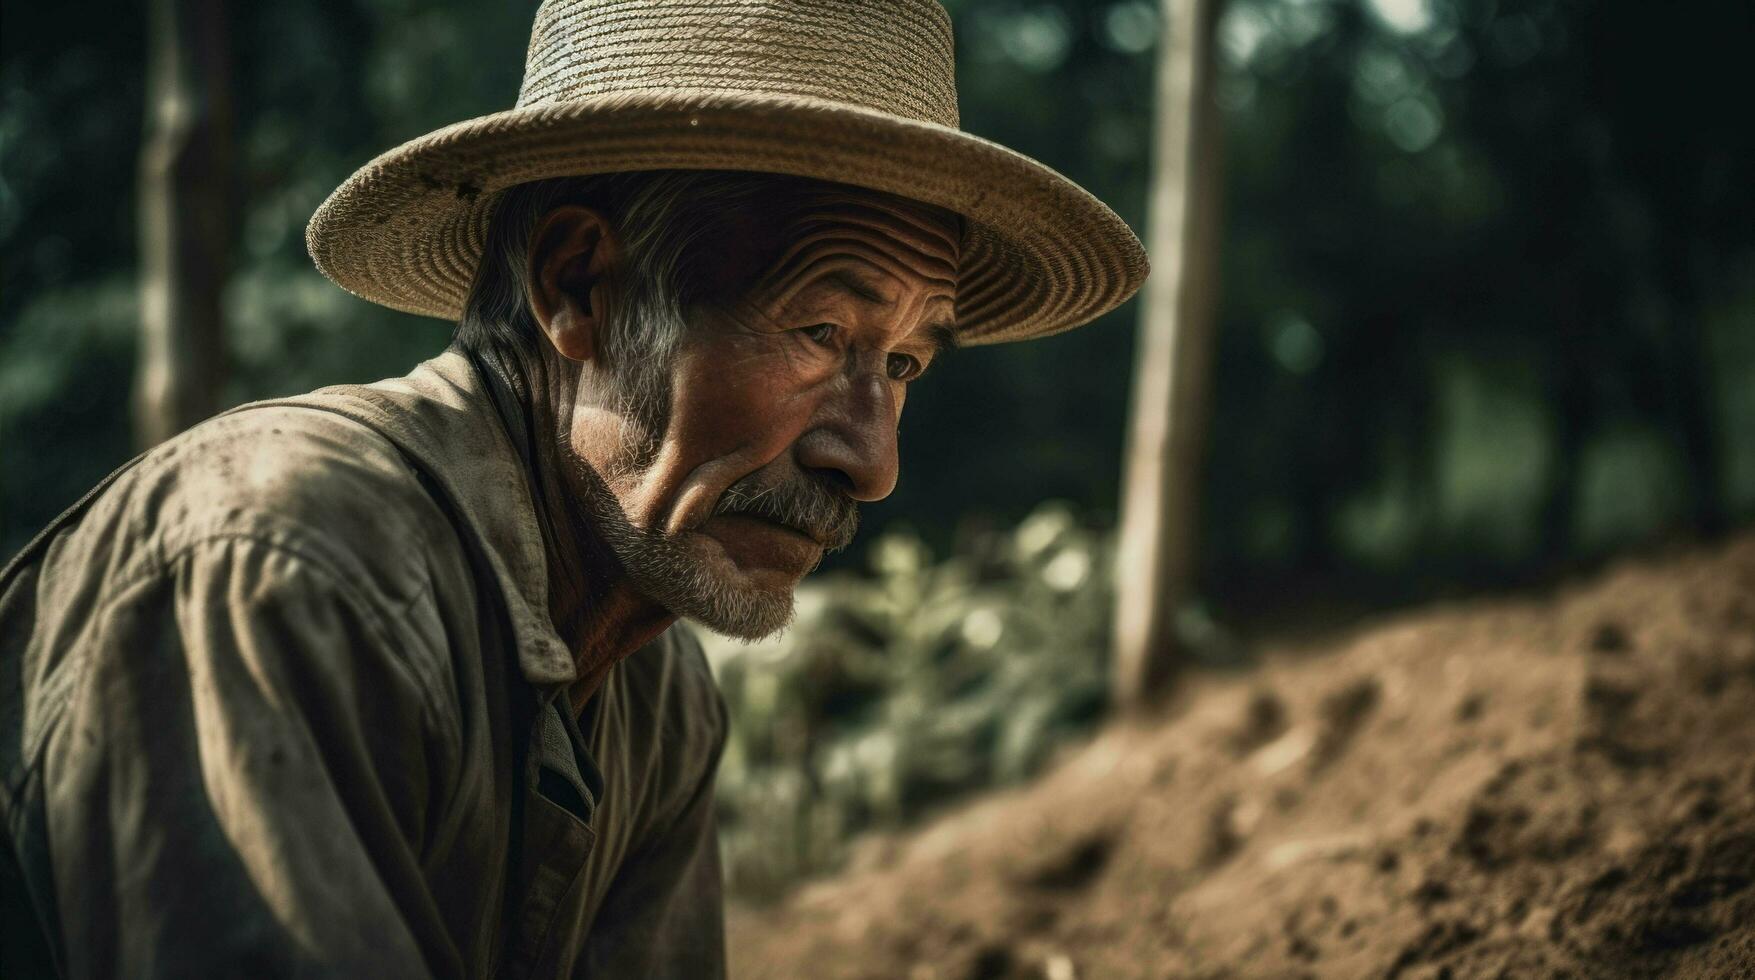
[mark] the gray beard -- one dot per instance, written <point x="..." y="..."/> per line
<point x="665" y="572"/>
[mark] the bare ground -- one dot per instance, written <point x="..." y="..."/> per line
<point x="1562" y="786"/>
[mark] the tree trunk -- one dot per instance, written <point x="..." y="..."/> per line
<point x="185" y="217"/>
<point x="1167" y="440"/>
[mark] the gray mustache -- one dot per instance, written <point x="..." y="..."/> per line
<point x="802" y="504"/>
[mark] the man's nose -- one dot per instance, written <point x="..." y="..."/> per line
<point x="853" y="444"/>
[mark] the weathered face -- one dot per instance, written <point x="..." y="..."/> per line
<point x="784" y="398"/>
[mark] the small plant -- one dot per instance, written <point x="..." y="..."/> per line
<point x="896" y="692"/>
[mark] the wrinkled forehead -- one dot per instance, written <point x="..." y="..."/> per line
<point x="932" y="233"/>
<point x="818" y="228"/>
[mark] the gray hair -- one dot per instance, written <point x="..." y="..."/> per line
<point x="662" y="219"/>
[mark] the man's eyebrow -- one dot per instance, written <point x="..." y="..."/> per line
<point x="943" y="337"/>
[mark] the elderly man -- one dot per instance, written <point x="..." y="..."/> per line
<point x="382" y="681"/>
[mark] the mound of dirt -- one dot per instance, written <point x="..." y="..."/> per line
<point x="1558" y="787"/>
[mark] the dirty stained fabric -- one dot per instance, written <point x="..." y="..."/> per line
<point x="284" y="698"/>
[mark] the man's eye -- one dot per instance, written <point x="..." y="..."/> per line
<point x="822" y="333"/>
<point x="904" y="368"/>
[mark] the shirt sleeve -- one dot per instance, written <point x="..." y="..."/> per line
<point x="664" y="915"/>
<point x="241" y="783"/>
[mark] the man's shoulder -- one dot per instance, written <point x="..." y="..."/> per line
<point x="298" y="479"/>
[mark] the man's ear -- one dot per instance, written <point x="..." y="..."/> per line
<point x="573" y="256"/>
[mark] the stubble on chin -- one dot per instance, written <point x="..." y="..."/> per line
<point x="697" y="587"/>
<point x="677" y="572"/>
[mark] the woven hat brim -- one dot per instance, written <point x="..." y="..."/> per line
<point x="1040" y="254"/>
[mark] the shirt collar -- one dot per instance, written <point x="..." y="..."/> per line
<point x="442" y="413"/>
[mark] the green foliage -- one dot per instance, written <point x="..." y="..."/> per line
<point x="907" y="688"/>
<point x="1482" y="267"/>
<point x="1489" y="265"/>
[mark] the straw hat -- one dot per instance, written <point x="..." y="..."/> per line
<point x="859" y="92"/>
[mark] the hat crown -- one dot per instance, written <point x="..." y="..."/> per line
<point x="894" y="56"/>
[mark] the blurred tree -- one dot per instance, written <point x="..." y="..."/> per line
<point x="1488" y="299"/>
<point x="186" y="217"/>
<point x="1172" y="368"/>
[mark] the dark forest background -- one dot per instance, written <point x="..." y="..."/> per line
<point x="1488" y="267"/>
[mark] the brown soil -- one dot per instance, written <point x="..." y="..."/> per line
<point x="1557" y="787"/>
